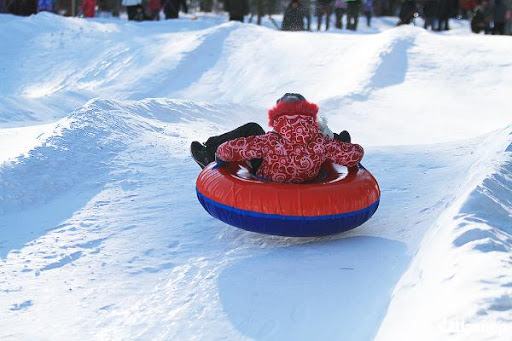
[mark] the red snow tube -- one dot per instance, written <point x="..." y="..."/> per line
<point x="334" y="202"/>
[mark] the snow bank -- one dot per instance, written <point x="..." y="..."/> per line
<point x="81" y="146"/>
<point x="458" y="286"/>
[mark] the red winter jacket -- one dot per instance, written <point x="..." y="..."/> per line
<point x="89" y="8"/>
<point x="295" y="150"/>
<point x="155" y="5"/>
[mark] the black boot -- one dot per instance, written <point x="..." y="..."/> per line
<point x="344" y="136"/>
<point x="200" y="154"/>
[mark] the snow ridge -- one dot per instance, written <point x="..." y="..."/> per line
<point x="458" y="286"/>
<point x="83" y="145"/>
<point x="80" y="148"/>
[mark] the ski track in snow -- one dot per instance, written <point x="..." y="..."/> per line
<point x="101" y="236"/>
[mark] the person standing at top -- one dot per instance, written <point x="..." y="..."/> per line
<point x="21" y="7"/>
<point x="482" y="18"/>
<point x="478" y="19"/>
<point x="429" y="13"/>
<point x="171" y="8"/>
<point x="499" y="17"/>
<point x="443" y="16"/>
<point x="205" y="5"/>
<point x="257" y="8"/>
<point x="368" y="11"/>
<point x="407" y="12"/>
<point x="88" y="8"/>
<point x="237" y="9"/>
<point x="154" y="7"/>
<point x="183" y="6"/>
<point x="508" y="17"/>
<point x="45" y="6"/>
<point x="134" y="9"/>
<point x="293" y="19"/>
<point x="466" y="8"/>
<point x="340" y="7"/>
<point x="353" y="8"/>
<point x="323" y="8"/>
<point x="306" y="4"/>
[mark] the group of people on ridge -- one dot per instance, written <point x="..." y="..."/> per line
<point x="138" y="10"/>
<point x="237" y="9"/>
<point x="492" y="17"/>
<point x="297" y="16"/>
<point x="171" y="8"/>
<point x="293" y="152"/>
<point x="488" y="16"/>
<point x="435" y="13"/>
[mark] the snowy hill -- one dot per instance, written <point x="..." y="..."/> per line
<point x="101" y="236"/>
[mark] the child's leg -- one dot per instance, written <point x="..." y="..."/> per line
<point x="249" y="129"/>
<point x="204" y="154"/>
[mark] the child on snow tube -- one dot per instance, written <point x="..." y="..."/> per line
<point x="292" y="153"/>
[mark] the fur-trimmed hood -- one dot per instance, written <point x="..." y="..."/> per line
<point x="303" y="108"/>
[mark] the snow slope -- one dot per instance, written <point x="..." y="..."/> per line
<point x="459" y="282"/>
<point x="101" y="236"/>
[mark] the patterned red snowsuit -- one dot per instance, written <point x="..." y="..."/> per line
<point x="295" y="150"/>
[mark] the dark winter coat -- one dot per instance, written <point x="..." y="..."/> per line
<point x="89" y="8"/>
<point x="445" y="9"/>
<point x="184" y="6"/>
<point x="295" y="150"/>
<point x="293" y="19"/>
<point x="171" y="8"/>
<point x="236" y="8"/>
<point x="478" y="23"/>
<point x="324" y="7"/>
<point x="500" y="12"/>
<point x="430" y="9"/>
<point x="22" y="7"/>
<point x="407" y="12"/>
<point x="154" y="5"/>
